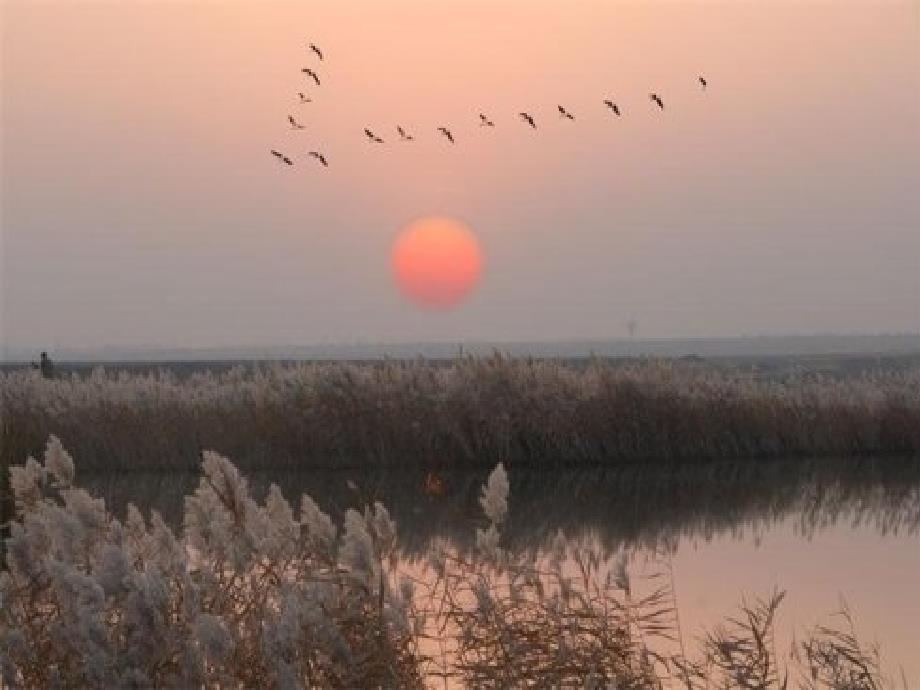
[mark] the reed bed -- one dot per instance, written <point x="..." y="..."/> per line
<point x="253" y="594"/>
<point x="531" y="413"/>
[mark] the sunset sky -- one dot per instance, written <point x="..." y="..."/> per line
<point x="141" y="206"/>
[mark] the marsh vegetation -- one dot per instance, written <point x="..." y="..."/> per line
<point x="532" y="414"/>
<point x="173" y="569"/>
<point x="260" y="593"/>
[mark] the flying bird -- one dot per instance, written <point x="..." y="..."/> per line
<point x="703" y="81"/>
<point x="373" y="137"/>
<point x="281" y="157"/>
<point x="403" y="135"/>
<point x="316" y="50"/>
<point x="655" y="97"/>
<point x="310" y="73"/>
<point x="528" y="119"/>
<point x="294" y="123"/>
<point x="565" y="113"/>
<point x="320" y="157"/>
<point x="446" y="133"/>
<point x="613" y="106"/>
<point x="304" y="99"/>
<point x="484" y="121"/>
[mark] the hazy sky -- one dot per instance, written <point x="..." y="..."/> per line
<point x="140" y="204"/>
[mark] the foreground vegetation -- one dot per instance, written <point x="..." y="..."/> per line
<point x="260" y="595"/>
<point x="534" y="414"/>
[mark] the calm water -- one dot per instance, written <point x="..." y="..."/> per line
<point x="824" y="532"/>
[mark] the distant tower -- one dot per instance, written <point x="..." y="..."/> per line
<point x="632" y="326"/>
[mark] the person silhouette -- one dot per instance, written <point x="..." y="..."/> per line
<point x="45" y="365"/>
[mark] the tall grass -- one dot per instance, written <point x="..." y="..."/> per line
<point x="530" y="413"/>
<point x="262" y="595"/>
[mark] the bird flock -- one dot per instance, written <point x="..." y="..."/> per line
<point x="404" y="135"/>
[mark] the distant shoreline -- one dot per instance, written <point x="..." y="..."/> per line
<point x="728" y="347"/>
<point x="777" y="367"/>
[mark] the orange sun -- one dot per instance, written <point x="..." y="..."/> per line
<point x="437" y="261"/>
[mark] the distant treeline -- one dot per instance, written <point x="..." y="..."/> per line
<point x="472" y="412"/>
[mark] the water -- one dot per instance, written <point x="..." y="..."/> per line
<point x="825" y="532"/>
<point x="874" y="575"/>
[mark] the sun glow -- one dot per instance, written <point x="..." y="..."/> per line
<point x="437" y="262"/>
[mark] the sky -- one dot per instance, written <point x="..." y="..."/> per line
<point x="141" y="205"/>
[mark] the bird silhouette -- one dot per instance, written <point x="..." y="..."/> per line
<point x="565" y="113"/>
<point x="703" y="82"/>
<point x="373" y="137"/>
<point x="281" y="157"/>
<point x="528" y="119"/>
<point x="316" y="50"/>
<point x="310" y="73"/>
<point x="655" y="97"/>
<point x="320" y="157"/>
<point x="484" y="121"/>
<point x="613" y="106"/>
<point x="304" y="99"/>
<point x="446" y="133"/>
<point x="403" y="135"/>
<point x="294" y="123"/>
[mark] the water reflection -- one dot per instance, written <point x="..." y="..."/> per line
<point x="822" y="530"/>
<point x="631" y="507"/>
